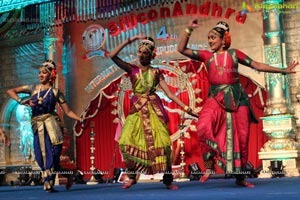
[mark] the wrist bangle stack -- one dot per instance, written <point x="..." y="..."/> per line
<point x="284" y="72"/>
<point x="19" y="100"/>
<point x="189" y="31"/>
<point x="186" y="108"/>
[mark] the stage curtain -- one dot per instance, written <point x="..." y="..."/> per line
<point x="107" y="156"/>
<point x="107" y="153"/>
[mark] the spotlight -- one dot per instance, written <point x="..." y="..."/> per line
<point x="258" y="170"/>
<point x="98" y="175"/>
<point x="276" y="168"/>
<point x="250" y="171"/>
<point x="194" y="171"/>
<point x="117" y="173"/>
<point x="78" y="177"/>
<point x="24" y="177"/>
<point x="36" y="177"/>
<point x="2" y="176"/>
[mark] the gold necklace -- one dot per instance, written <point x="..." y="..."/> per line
<point x="147" y="87"/>
<point x="41" y="99"/>
<point x="220" y="68"/>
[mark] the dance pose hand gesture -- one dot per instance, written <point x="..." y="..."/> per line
<point x="291" y="66"/>
<point x="194" y="24"/>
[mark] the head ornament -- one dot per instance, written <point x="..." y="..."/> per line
<point x="49" y="65"/>
<point x="148" y="42"/>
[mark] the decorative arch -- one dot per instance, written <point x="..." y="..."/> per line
<point x="16" y="122"/>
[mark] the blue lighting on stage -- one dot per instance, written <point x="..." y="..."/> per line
<point x="23" y="116"/>
<point x="17" y="4"/>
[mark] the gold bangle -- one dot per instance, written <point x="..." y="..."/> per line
<point x="189" y="31"/>
<point x="284" y="72"/>
<point x="19" y="100"/>
<point x="186" y="108"/>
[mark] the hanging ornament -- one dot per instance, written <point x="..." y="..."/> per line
<point x="41" y="99"/>
<point x="221" y="68"/>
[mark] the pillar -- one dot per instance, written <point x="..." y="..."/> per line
<point x="280" y="153"/>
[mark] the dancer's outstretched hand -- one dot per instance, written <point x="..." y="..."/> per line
<point x="291" y="66"/>
<point x="194" y="23"/>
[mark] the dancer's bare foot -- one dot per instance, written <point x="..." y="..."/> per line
<point x="48" y="187"/>
<point x="129" y="183"/>
<point x="206" y="175"/>
<point x="244" y="183"/>
<point x="172" y="187"/>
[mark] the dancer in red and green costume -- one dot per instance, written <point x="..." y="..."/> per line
<point x="223" y="124"/>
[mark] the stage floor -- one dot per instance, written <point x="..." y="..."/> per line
<point x="269" y="188"/>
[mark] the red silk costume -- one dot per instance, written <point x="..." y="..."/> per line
<point x="223" y="125"/>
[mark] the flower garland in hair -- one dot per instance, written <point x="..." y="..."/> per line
<point x="227" y="39"/>
<point x="53" y="75"/>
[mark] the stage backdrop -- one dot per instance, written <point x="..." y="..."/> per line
<point x="98" y="81"/>
<point x="104" y="112"/>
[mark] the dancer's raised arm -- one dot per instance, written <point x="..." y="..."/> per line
<point x="114" y="53"/>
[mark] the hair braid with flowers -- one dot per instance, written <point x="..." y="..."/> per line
<point x="227" y="40"/>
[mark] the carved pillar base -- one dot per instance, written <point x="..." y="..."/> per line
<point x="290" y="163"/>
<point x="282" y="148"/>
